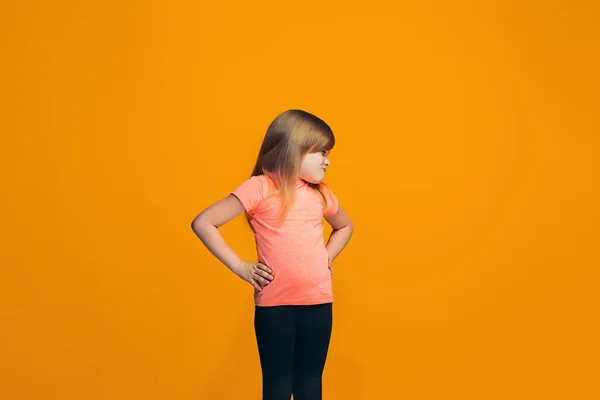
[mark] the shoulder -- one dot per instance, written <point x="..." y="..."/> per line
<point x="331" y="202"/>
<point x="252" y="191"/>
<point x="325" y="189"/>
<point x="263" y="179"/>
<point x="258" y="181"/>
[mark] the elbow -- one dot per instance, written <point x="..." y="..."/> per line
<point x="348" y="228"/>
<point x="199" y="224"/>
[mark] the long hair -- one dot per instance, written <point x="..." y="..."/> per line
<point x="291" y="135"/>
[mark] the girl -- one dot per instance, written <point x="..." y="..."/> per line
<point x="285" y="202"/>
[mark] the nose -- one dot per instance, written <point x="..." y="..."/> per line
<point x="327" y="163"/>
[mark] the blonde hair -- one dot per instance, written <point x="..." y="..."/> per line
<point x="291" y="135"/>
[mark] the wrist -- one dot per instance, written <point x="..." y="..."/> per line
<point x="238" y="267"/>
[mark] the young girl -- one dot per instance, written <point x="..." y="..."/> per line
<point x="285" y="202"/>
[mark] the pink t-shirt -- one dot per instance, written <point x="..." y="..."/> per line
<point x="294" y="248"/>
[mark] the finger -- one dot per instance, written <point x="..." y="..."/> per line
<point x="265" y="274"/>
<point x="262" y="280"/>
<point x="264" y="268"/>
<point x="256" y="286"/>
<point x="255" y="283"/>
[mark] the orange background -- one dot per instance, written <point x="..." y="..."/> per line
<point x="467" y="157"/>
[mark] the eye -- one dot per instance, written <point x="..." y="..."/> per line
<point x="325" y="153"/>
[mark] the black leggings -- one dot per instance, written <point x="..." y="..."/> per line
<point x="292" y="344"/>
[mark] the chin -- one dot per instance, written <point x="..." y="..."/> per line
<point x="317" y="180"/>
<point x="313" y="179"/>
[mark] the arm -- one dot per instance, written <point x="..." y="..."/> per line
<point x="342" y="231"/>
<point x="206" y="225"/>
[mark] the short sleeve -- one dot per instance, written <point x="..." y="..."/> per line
<point x="332" y="202"/>
<point x="250" y="193"/>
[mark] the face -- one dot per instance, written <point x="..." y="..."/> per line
<point x="313" y="166"/>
